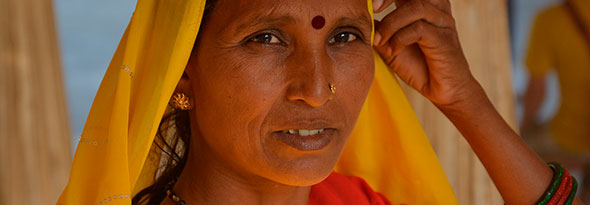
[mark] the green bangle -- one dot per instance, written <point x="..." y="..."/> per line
<point x="570" y="198"/>
<point x="557" y="174"/>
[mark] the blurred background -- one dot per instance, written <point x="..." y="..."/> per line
<point x="54" y="53"/>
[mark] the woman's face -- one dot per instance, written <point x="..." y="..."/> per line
<point x="260" y="78"/>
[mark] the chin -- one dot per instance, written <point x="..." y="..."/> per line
<point x="285" y="164"/>
<point x="304" y="178"/>
<point x="304" y="172"/>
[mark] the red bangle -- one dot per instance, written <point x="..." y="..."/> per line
<point x="568" y="190"/>
<point x="560" y="190"/>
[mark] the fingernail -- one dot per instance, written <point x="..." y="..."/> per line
<point x="377" y="4"/>
<point x="376" y="38"/>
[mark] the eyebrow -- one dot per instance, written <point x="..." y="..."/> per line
<point x="265" y="21"/>
<point x="362" y="21"/>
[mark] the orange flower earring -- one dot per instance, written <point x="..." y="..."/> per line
<point x="181" y="101"/>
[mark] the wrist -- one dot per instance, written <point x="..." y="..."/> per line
<point x="474" y="115"/>
<point x="470" y="99"/>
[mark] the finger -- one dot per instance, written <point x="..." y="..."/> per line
<point x="409" y="13"/>
<point x="380" y="5"/>
<point x="414" y="72"/>
<point x="422" y="33"/>
<point x="443" y="5"/>
<point x="376" y="22"/>
<point x="399" y="3"/>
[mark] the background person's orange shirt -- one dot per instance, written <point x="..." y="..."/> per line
<point x="557" y="43"/>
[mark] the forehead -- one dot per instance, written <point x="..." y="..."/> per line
<point x="293" y="10"/>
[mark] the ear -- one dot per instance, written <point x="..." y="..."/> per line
<point x="183" y="95"/>
<point x="184" y="85"/>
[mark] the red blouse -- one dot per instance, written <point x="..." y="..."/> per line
<point x="340" y="189"/>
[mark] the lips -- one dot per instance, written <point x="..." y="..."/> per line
<point x="306" y="139"/>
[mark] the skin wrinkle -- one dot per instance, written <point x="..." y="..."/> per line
<point x="267" y="21"/>
<point x="246" y="90"/>
<point x="241" y="88"/>
<point x="221" y="168"/>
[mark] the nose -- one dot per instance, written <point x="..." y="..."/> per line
<point x="310" y="74"/>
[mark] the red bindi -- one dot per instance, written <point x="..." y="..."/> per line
<point x="318" y="22"/>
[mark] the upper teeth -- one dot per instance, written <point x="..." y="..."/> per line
<point x="303" y="132"/>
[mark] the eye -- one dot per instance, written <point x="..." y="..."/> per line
<point x="343" y="38"/>
<point x="266" y="38"/>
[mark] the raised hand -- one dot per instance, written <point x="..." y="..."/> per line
<point x="419" y="42"/>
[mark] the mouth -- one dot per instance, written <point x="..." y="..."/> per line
<point x="306" y="139"/>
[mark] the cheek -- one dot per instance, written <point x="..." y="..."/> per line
<point x="232" y="98"/>
<point x="354" y="75"/>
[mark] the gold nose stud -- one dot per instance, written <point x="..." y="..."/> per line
<point x="332" y="88"/>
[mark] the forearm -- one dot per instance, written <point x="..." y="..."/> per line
<point x="420" y="44"/>
<point x="518" y="173"/>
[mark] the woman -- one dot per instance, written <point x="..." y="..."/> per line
<point x="274" y="91"/>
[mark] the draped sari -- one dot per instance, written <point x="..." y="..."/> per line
<point x="113" y="161"/>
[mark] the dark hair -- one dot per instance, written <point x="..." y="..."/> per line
<point x="173" y="139"/>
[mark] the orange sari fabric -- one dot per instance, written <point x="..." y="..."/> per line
<point x="340" y="189"/>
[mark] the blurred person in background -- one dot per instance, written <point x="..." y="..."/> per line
<point x="560" y="40"/>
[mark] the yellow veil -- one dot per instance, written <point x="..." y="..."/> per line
<point x="388" y="148"/>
